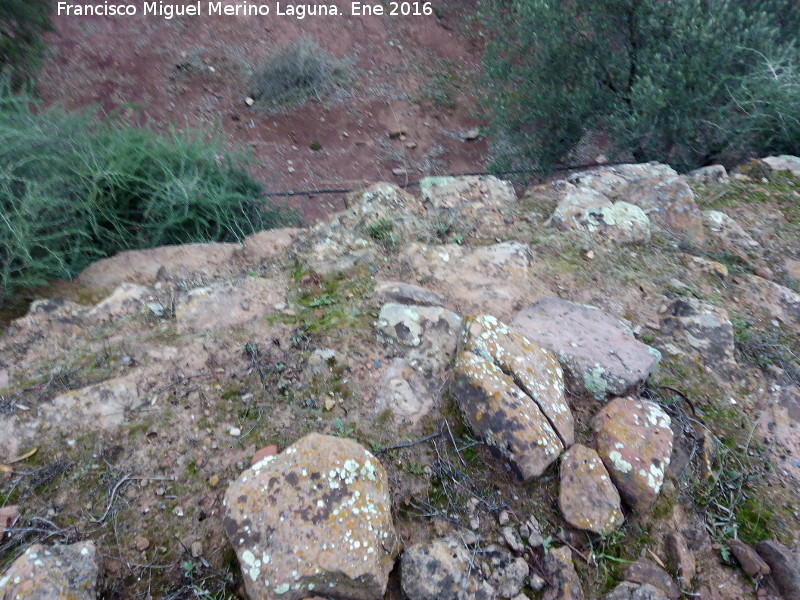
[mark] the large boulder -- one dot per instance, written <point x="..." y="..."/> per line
<point x="598" y="351"/>
<point x="427" y="334"/>
<point x="53" y="573"/>
<point x="442" y="570"/>
<point x="587" y="498"/>
<point x="315" y="517"/>
<point x="634" y="439"/>
<point x="590" y="211"/>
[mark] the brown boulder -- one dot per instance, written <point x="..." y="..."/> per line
<point x="587" y="498"/>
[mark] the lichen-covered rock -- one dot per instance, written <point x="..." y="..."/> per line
<point x="534" y="369"/>
<point x="587" y="498"/>
<point x="598" y="352"/>
<point x="633" y="591"/>
<point x="53" y="573"/>
<point x="316" y="517"/>
<point x="701" y="329"/>
<point x="442" y="570"/>
<point x="634" y="439"/>
<point x="657" y="189"/>
<point x="709" y="175"/>
<point x="646" y="572"/>
<point x="561" y="573"/>
<point x="507" y="572"/>
<point x="471" y="203"/>
<point x="504" y="416"/>
<point x="590" y="211"/>
<point x="375" y="216"/>
<point x="427" y="334"/>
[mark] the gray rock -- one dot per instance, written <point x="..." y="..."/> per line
<point x="531" y="532"/>
<point x="700" y="329"/>
<point x="427" y="334"/>
<point x="632" y="591"/>
<point x="53" y="573"/>
<point x="508" y="572"/>
<point x="785" y="566"/>
<point x="645" y="572"/>
<point x="442" y="570"/>
<point x="783" y="163"/>
<point x="730" y="237"/>
<point x="315" y="517"/>
<point x="512" y="539"/>
<point x="598" y="352"/>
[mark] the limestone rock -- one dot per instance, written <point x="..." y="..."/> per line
<point x="428" y="334"/>
<point x="406" y="293"/>
<point x="504" y="416"/>
<point x="634" y="439"/>
<point x="404" y="392"/>
<point x="561" y="573"/>
<point x="657" y="189"/>
<point x="587" y="498"/>
<point x="534" y="369"/>
<point x="315" y="517"/>
<point x="590" y="211"/>
<point x="701" y="329"/>
<point x="501" y="276"/>
<point x="632" y="591"/>
<point x="598" y="352"/>
<point x="441" y="570"/>
<point x="785" y="566"/>
<point x="53" y="573"/>
<point x="646" y="572"/>
<point x="748" y="558"/>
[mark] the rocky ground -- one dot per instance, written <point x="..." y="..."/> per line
<point x="590" y="390"/>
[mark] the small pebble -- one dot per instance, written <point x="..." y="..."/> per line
<point x="235" y="431"/>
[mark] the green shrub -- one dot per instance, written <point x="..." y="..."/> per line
<point x="74" y="188"/>
<point x="22" y="23"/>
<point x="682" y="82"/>
<point x="295" y="72"/>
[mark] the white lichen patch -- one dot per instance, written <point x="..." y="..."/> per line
<point x="622" y="465"/>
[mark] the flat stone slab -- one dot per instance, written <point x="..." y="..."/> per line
<point x="634" y="439"/>
<point x="315" y="518"/>
<point x="587" y="498"/>
<point x="598" y="352"/>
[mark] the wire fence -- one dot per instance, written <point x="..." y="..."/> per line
<point x="410" y="184"/>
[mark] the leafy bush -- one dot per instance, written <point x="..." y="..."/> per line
<point x="682" y="82"/>
<point x="74" y="189"/>
<point x="22" y="23"/>
<point x="295" y="72"/>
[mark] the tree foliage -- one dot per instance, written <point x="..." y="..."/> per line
<point x="22" y="23"/>
<point x="679" y="81"/>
